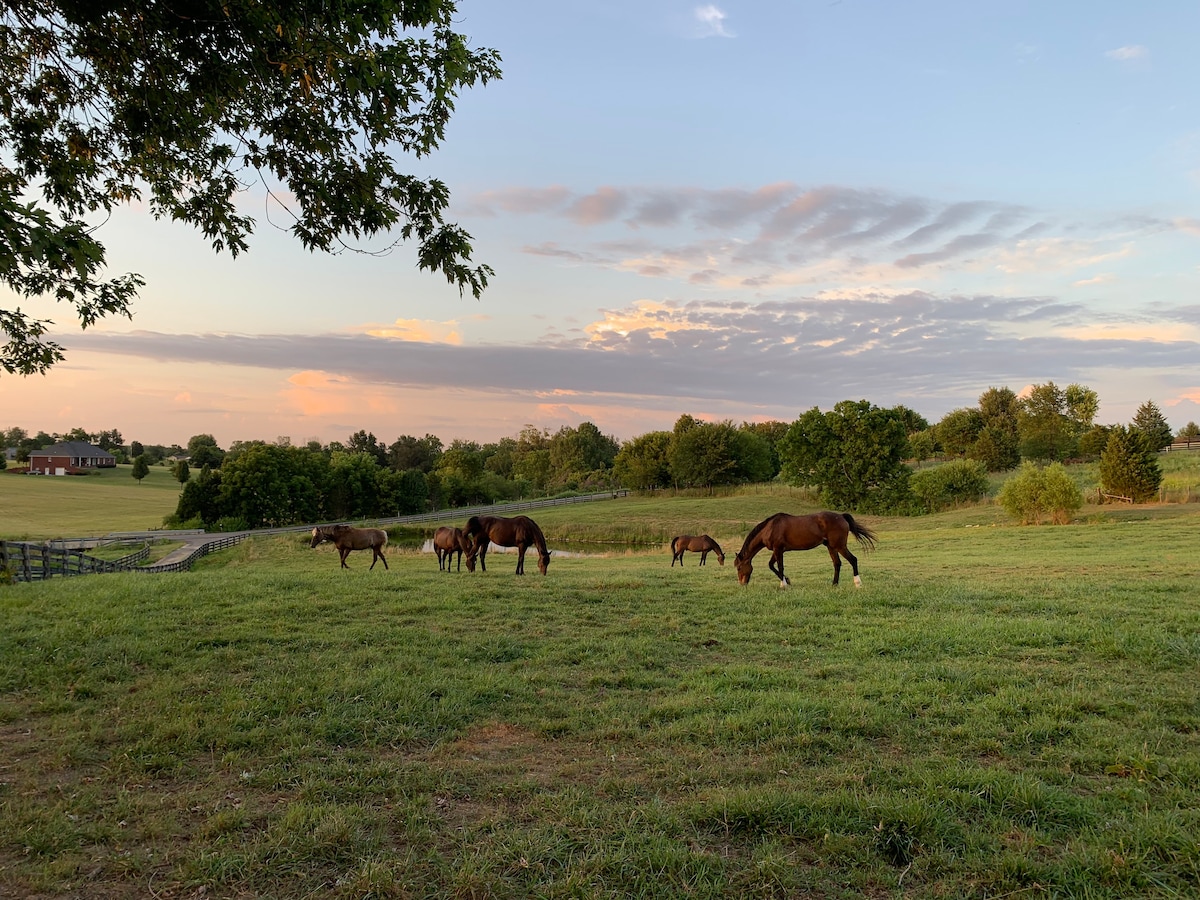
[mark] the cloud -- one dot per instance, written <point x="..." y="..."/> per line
<point x="777" y="234"/>
<point x="710" y="22"/>
<point x="1103" y="278"/>
<point x="1127" y="53"/>
<point x="1188" y="225"/>
<point x="603" y="205"/>
<point x="520" y="200"/>
<point x="420" y="330"/>
<point x="775" y="357"/>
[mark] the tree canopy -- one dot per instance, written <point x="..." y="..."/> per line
<point x="186" y="103"/>
<point x="853" y="454"/>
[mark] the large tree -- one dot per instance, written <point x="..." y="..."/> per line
<point x="642" y="463"/>
<point x="186" y="103"/>
<point x="998" y="445"/>
<point x="853" y="454"/>
<point x="1047" y="433"/>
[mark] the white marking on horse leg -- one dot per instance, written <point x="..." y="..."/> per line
<point x="784" y="582"/>
<point x="857" y="581"/>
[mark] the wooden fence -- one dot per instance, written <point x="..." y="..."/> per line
<point x="35" y="562"/>
<point x="182" y="565"/>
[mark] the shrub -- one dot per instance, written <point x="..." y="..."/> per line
<point x="1062" y="497"/>
<point x="1034" y="492"/>
<point x="958" y="481"/>
<point x="1021" y="495"/>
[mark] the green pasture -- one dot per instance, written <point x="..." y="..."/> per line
<point x="999" y="711"/>
<point x="38" y="507"/>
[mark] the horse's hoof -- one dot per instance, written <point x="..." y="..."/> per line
<point x="857" y="581"/>
<point x="784" y="583"/>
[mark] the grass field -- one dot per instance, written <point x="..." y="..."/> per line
<point x="37" y="507"/>
<point x="999" y="712"/>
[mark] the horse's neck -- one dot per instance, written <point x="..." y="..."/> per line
<point x="753" y="544"/>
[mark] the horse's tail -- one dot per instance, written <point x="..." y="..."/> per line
<point x="674" y="545"/>
<point x="382" y="537"/>
<point x="865" y="535"/>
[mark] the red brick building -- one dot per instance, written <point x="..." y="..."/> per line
<point x="68" y="458"/>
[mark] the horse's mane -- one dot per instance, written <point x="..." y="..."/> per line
<point x="538" y="538"/>
<point x="757" y="529"/>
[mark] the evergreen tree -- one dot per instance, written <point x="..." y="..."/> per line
<point x="1151" y="423"/>
<point x="1128" y="467"/>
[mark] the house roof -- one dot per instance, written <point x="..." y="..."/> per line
<point x="78" y="449"/>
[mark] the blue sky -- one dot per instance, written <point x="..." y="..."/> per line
<point x="734" y="210"/>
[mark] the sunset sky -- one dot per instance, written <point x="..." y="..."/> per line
<point x="737" y="210"/>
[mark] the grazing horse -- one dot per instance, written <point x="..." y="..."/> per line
<point x="519" y="532"/>
<point x="782" y="532"/>
<point x="446" y="542"/>
<point x="702" y="545"/>
<point x="347" y="538"/>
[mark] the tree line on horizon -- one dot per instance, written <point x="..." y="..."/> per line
<point x="857" y="456"/>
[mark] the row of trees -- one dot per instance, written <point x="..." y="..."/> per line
<point x="1048" y="424"/>
<point x="856" y="455"/>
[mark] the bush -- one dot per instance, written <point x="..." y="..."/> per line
<point x="1034" y="492"/>
<point x="1062" y="497"/>
<point x="958" y="481"/>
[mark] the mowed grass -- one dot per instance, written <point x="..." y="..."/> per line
<point x="37" y="507"/>
<point x="999" y="711"/>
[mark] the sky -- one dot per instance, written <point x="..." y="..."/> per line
<point x="735" y="210"/>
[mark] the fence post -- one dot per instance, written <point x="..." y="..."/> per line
<point x="47" y="570"/>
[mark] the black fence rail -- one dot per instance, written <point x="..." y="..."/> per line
<point x="36" y="562"/>
<point x="182" y="565"/>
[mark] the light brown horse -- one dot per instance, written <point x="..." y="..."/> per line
<point x="520" y="532"/>
<point x="702" y="545"/>
<point x="782" y="532"/>
<point x="446" y="542"/>
<point x="347" y="538"/>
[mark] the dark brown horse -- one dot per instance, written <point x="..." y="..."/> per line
<point x="446" y="542"/>
<point x="520" y="532"/>
<point x="782" y="532"/>
<point x="702" y="545"/>
<point x="347" y="538"/>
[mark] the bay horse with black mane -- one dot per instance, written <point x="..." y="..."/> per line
<point x="520" y="532"/>
<point x="702" y="545"/>
<point x="783" y="532"/>
<point x="446" y="542"/>
<point x="347" y="538"/>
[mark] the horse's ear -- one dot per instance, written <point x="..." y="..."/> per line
<point x="315" y="532"/>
